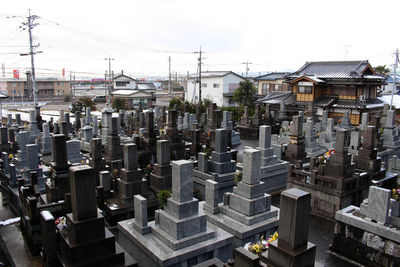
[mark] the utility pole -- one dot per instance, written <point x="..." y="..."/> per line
<point x="199" y="59"/>
<point x="396" y="60"/>
<point x="247" y="67"/>
<point x="109" y="79"/>
<point x="169" y="75"/>
<point x="30" y="24"/>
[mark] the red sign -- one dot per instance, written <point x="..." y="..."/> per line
<point x="63" y="72"/>
<point x="16" y="74"/>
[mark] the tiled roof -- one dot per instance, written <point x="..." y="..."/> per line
<point x="325" y="101"/>
<point x="278" y="97"/>
<point x="272" y="76"/>
<point x="374" y="103"/>
<point x="212" y="74"/>
<point x="347" y="103"/>
<point x="334" y="69"/>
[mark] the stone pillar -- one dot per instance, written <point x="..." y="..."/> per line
<point x="32" y="153"/>
<point x="292" y="247"/>
<point x="140" y="221"/>
<point x="59" y="146"/>
<point x="221" y="140"/>
<point x="83" y="192"/>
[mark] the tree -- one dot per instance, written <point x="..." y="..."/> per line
<point x="244" y="95"/>
<point x="88" y="102"/>
<point x="118" y="104"/>
<point x="382" y="70"/>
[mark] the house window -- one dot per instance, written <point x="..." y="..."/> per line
<point x="305" y="89"/>
<point x="279" y="87"/>
<point x="121" y="83"/>
<point x="204" y="85"/>
<point x="231" y="102"/>
<point x="265" y="88"/>
<point x="216" y="85"/>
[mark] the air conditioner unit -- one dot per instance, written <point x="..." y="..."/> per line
<point x="361" y="97"/>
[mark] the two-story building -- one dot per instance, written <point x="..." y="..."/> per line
<point x="335" y="86"/>
<point x="123" y="82"/>
<point x="218" y="86"/>
<point x="46" y="87"/>
<point x="272" y="82"/>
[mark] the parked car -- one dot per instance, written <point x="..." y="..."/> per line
<point x="99" y="99"/>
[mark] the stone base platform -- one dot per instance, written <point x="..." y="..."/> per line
<point x="244" y="233"/>
<point x="150" y="251"/>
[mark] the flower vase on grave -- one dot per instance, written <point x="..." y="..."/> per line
<point x="395" y="209"/>
<point x="396" y="203"/>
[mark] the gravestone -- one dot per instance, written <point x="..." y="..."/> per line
<point x="113" y="148"/>
<point x="131" y="182"/>
<point x="292" y="247"/>
<point x="273" y="170"/>
<point x="390" y="137"/>
<point x="364" y="120"/>
<point x="246" y="212"/>
<point x="310" y="137"/>
<point x="96" y="160"/>
<point x="345" y="123"/>
<point x="376" y="206"/>
<point x="220" y="167"/>
<point x="32" y="154"/>
<point x="74" y="151"/>
<point x="34" y="132"/>
<point x="161" y="177"/>
<point x="58" y="185"/>
<point x="46" y="140"/>
<point x="22" y="140"/>
<point x="296" y="148"/>
<point x="177" y="228"/>
<point x="18" y="119"/>
<point x="86" y="240"/>
<point x="355" y="142"/>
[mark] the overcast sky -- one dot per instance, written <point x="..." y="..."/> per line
<point x="140" y="35"/>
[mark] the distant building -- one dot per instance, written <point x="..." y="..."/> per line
<point x="218" y="86"/>
<point x="335" y="86"/>
<point x="388" y="88"/>
<point x="133" y="97"/>
<point x="272" y="82"/>
<point x="122" y="82"/>
<point x="46" y="87"/>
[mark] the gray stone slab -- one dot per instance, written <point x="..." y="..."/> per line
<point x="251" y="166"/>
<point x="294" y="218"/>
<point x="163" y="152"/>
<point x="182" y="180"/>
<point x="83" y="192"/>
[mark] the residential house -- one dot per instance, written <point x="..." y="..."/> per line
<point x="218" y="86"/>
<point x="123" y="82"/>
<point x="335" y="86"/>
<point x="271" y="82"/>
<point x="133" y="97"/>
<point x="388" y="88"/>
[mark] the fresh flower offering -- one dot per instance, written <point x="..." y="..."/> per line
<point x="61" y="223"/>
<point x="262" y="245"/>
<point x="325" y="158"/>
<point x="396" y="194"/>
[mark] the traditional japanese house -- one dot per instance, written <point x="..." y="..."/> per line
<point x="335" y="86"/>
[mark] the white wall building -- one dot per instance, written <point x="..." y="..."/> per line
<point x="122" y="82"/>
<point x="218" y="86"/>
